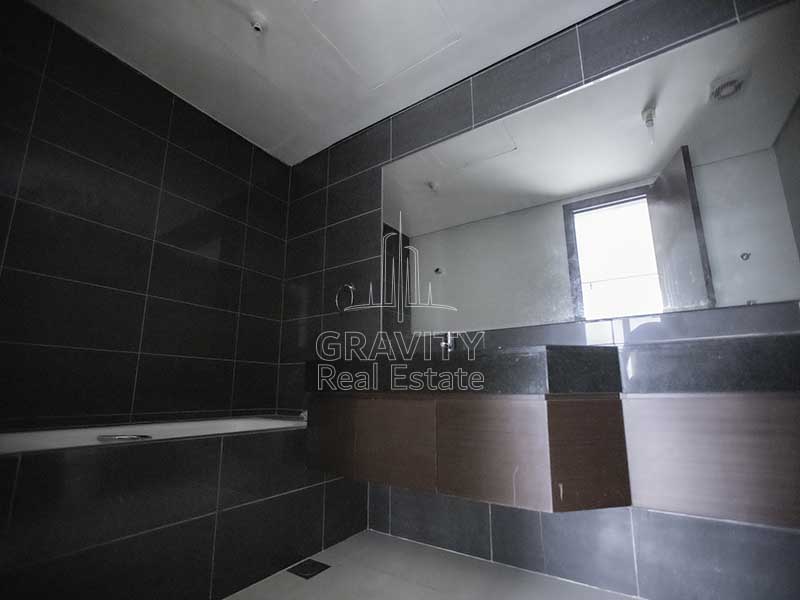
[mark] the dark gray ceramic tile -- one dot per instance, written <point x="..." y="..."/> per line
<point x="12" y="149"/>
<point x="196" y="180"/>
<point x="261" y="295"/>
<point x="531" y="75"/>
<point x="298" y="339"/>
<point x="20" y="88"/>
<point x="47" y="382"/>
<point x="71" y="499"/>
<point x="259" y="539"/>
<point x="199" y="230"/>
<point x="92" y="72"/>
<point x="685" y="557"/>
<point x="174" y="562"/>
<point x="303" y="296"/>
<point x="360" y="275"/>
<point x="305" y="254"/>
<point x="379" y="507"/>
<point x="291" y="389"/>
<point x="179" y="275"/>
<point x="6" y="206"/>
<point x="310" y="175"/>
<point x="47" y="242"/>
<point x="258" y="339"/>
<point x="353" y="239"/>
<point x="175" y="328"/>
<point x="571" y="334"/>
<point x="307" y="214"/>
<point x="444" y="521"/>
<point x="517" y="538"/>
<point x="8" y="474"/>
<point x="364" y="321"/>
<point x="267" y="213"/>
<point x="202" y="135"/>
<point x="748" y="8"/>
<point x="345" y="510"/>
<point x="764" y="363"/>
<point x="68" y="120"/>
<point x="43" y="310"/>
<point x="592" y="546"/>
<point x="270" y="174"/>
<point x="361" y="151"/>
<point x="264" y="253"/>
<point x="264" y="464"/>
<point x="581" y="369"/>
<point x="637" y="29"/>
<point x="168" y="384"/>
<point x="255" y="386"/>
<point x="24" y="34"/>
<point x="433" y="119"/>
<point x="71" y="184"/>
<point x="354" y="196"/>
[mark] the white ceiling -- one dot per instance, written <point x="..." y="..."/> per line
<point x="324" y="69"/>
<point x="594" y="138"/>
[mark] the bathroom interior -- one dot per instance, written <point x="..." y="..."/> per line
<point x="440" y="299"/>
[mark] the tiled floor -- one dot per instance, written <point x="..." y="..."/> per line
<point x="373" y="566"/>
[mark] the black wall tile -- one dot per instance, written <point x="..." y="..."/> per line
<point x="685" y="557"/>
<point x="267" y="213"/>
<point x="196" y="180"/>
<point x="749" y="8"/>
<point x="379" y="507"/>
<point x="175" y="328"/>
<point x="360" y="275"/>
<point x="261" y="295"/>
<point x="169" y="384"/>
<point x="24" y="34"/>
<point x="354" y="196"/>
<point x="310" y="175"/>
<point x="42" y="310"/>
<point x="40" y="382"/>
<point x="533" y="74"/>
<point x="433" y="119"/>
<point x="202" y="135"/>
<point x="47" y="242"/>
<point x="174" y="562"/>
<point x="6" y="206"/>
<point x="353" y="239"/>
<point x="361" y="151"/>
<point x="264" y="253"/>
<point x="270" y="174"/>
<point x="577" y="369"/>
<point x="641" y="27"/>
<point x="592" y="546"/>
<point x="199" y="230"/>
<point x="8" y="474"/>
<point x="307" y="214"/>
<point x="259" y="539"/>
<point x="517" y="538"/>
<point x="71" y="184"/>
<point x="345" y="510"/>
<point x="91" y="71"/>
<point x="444" y="521"/>
<point x="70" y="121"/>
<point x="20" y="88"/>
<point x="71" y="499"/>
<point x="182" y="276"/>
<point x="291" y="387"/>
<point x="258" y="339"/>
<point x="305" y="254"/>
<point x="303" y="296"/>
<point x="255" y="386"/>
<point x="12" y="149"/>
<point x="298" y="339"/>
<point x="264" y="464"/>
<point x="365" y="321"/>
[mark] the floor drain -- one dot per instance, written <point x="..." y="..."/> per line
<point x="308" y="568"/>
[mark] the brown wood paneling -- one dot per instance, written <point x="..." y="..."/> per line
<point x="494" y="448"/>
<point x="725" y="455"/>
<point x="331" y="434"/>
<point x="588" y="460"/>
<point x="395" y="440"/>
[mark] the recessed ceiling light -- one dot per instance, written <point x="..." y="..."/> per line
<point x="726" y="87"/>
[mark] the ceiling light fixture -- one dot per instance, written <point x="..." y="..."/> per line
<point x="649" y="118"/>
<point x="727" y="86"/>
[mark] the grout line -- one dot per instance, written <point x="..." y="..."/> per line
<point x="541" y="540"/>
<point x="472" y="101"/>
<point x="28" y="138"/>
<point x="283" y="294"/>
<point x="334" y="223"/>
<point x="152" y="254"/>
<point x="369" y="487"/>
<point x="580" y="54"/>
<point x="216" y="519"/>
<point x="390" y="510"/>
<point x="491" y="536"/>
<point x="300" y="489"/>
<point x="635" y="558"/>
<point x="347" y="264"/>
<point x="13" y="494"/>
<point x="736" y="11"/>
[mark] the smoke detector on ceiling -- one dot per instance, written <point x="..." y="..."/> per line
<point x="727" y="86"/>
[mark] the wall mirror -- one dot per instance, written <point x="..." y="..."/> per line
<point x="663" y="187"/>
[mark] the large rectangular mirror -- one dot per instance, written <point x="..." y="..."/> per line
<point x="671" y="185"/>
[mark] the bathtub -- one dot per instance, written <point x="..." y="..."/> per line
<point x="35" y="441"/>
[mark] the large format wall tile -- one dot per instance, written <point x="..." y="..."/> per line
<point x="20" y="90"/>
<point x="304" y="254"/>
<point x="12" y="148"/>
<point x="303" y="296"/>
<point x="307" y="214"/>
<point x="517" y="538"/>
<point x="267" y="213"/>
<point x="25" y="34"/>
<point x="264" y="253"/>
<point x="354" y="196"/>
<point x="354" y="239"/>
<point x="258" y="339"/>
<point x="360" y="151"/>
<point x="310" y="175"/>
<point x="379" y="507"/>
<point x="176" y="328"/>
<point x="255" y="387"/>
<point x="345" y="510"/>
<point x="270" y="174"/>
<point x="262" y="295"/>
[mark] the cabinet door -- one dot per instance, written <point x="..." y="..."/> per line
<point x="331" y="434"/>
<point x="494" y="448"/>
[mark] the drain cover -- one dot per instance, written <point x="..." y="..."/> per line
<point x="308" y="568"/>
